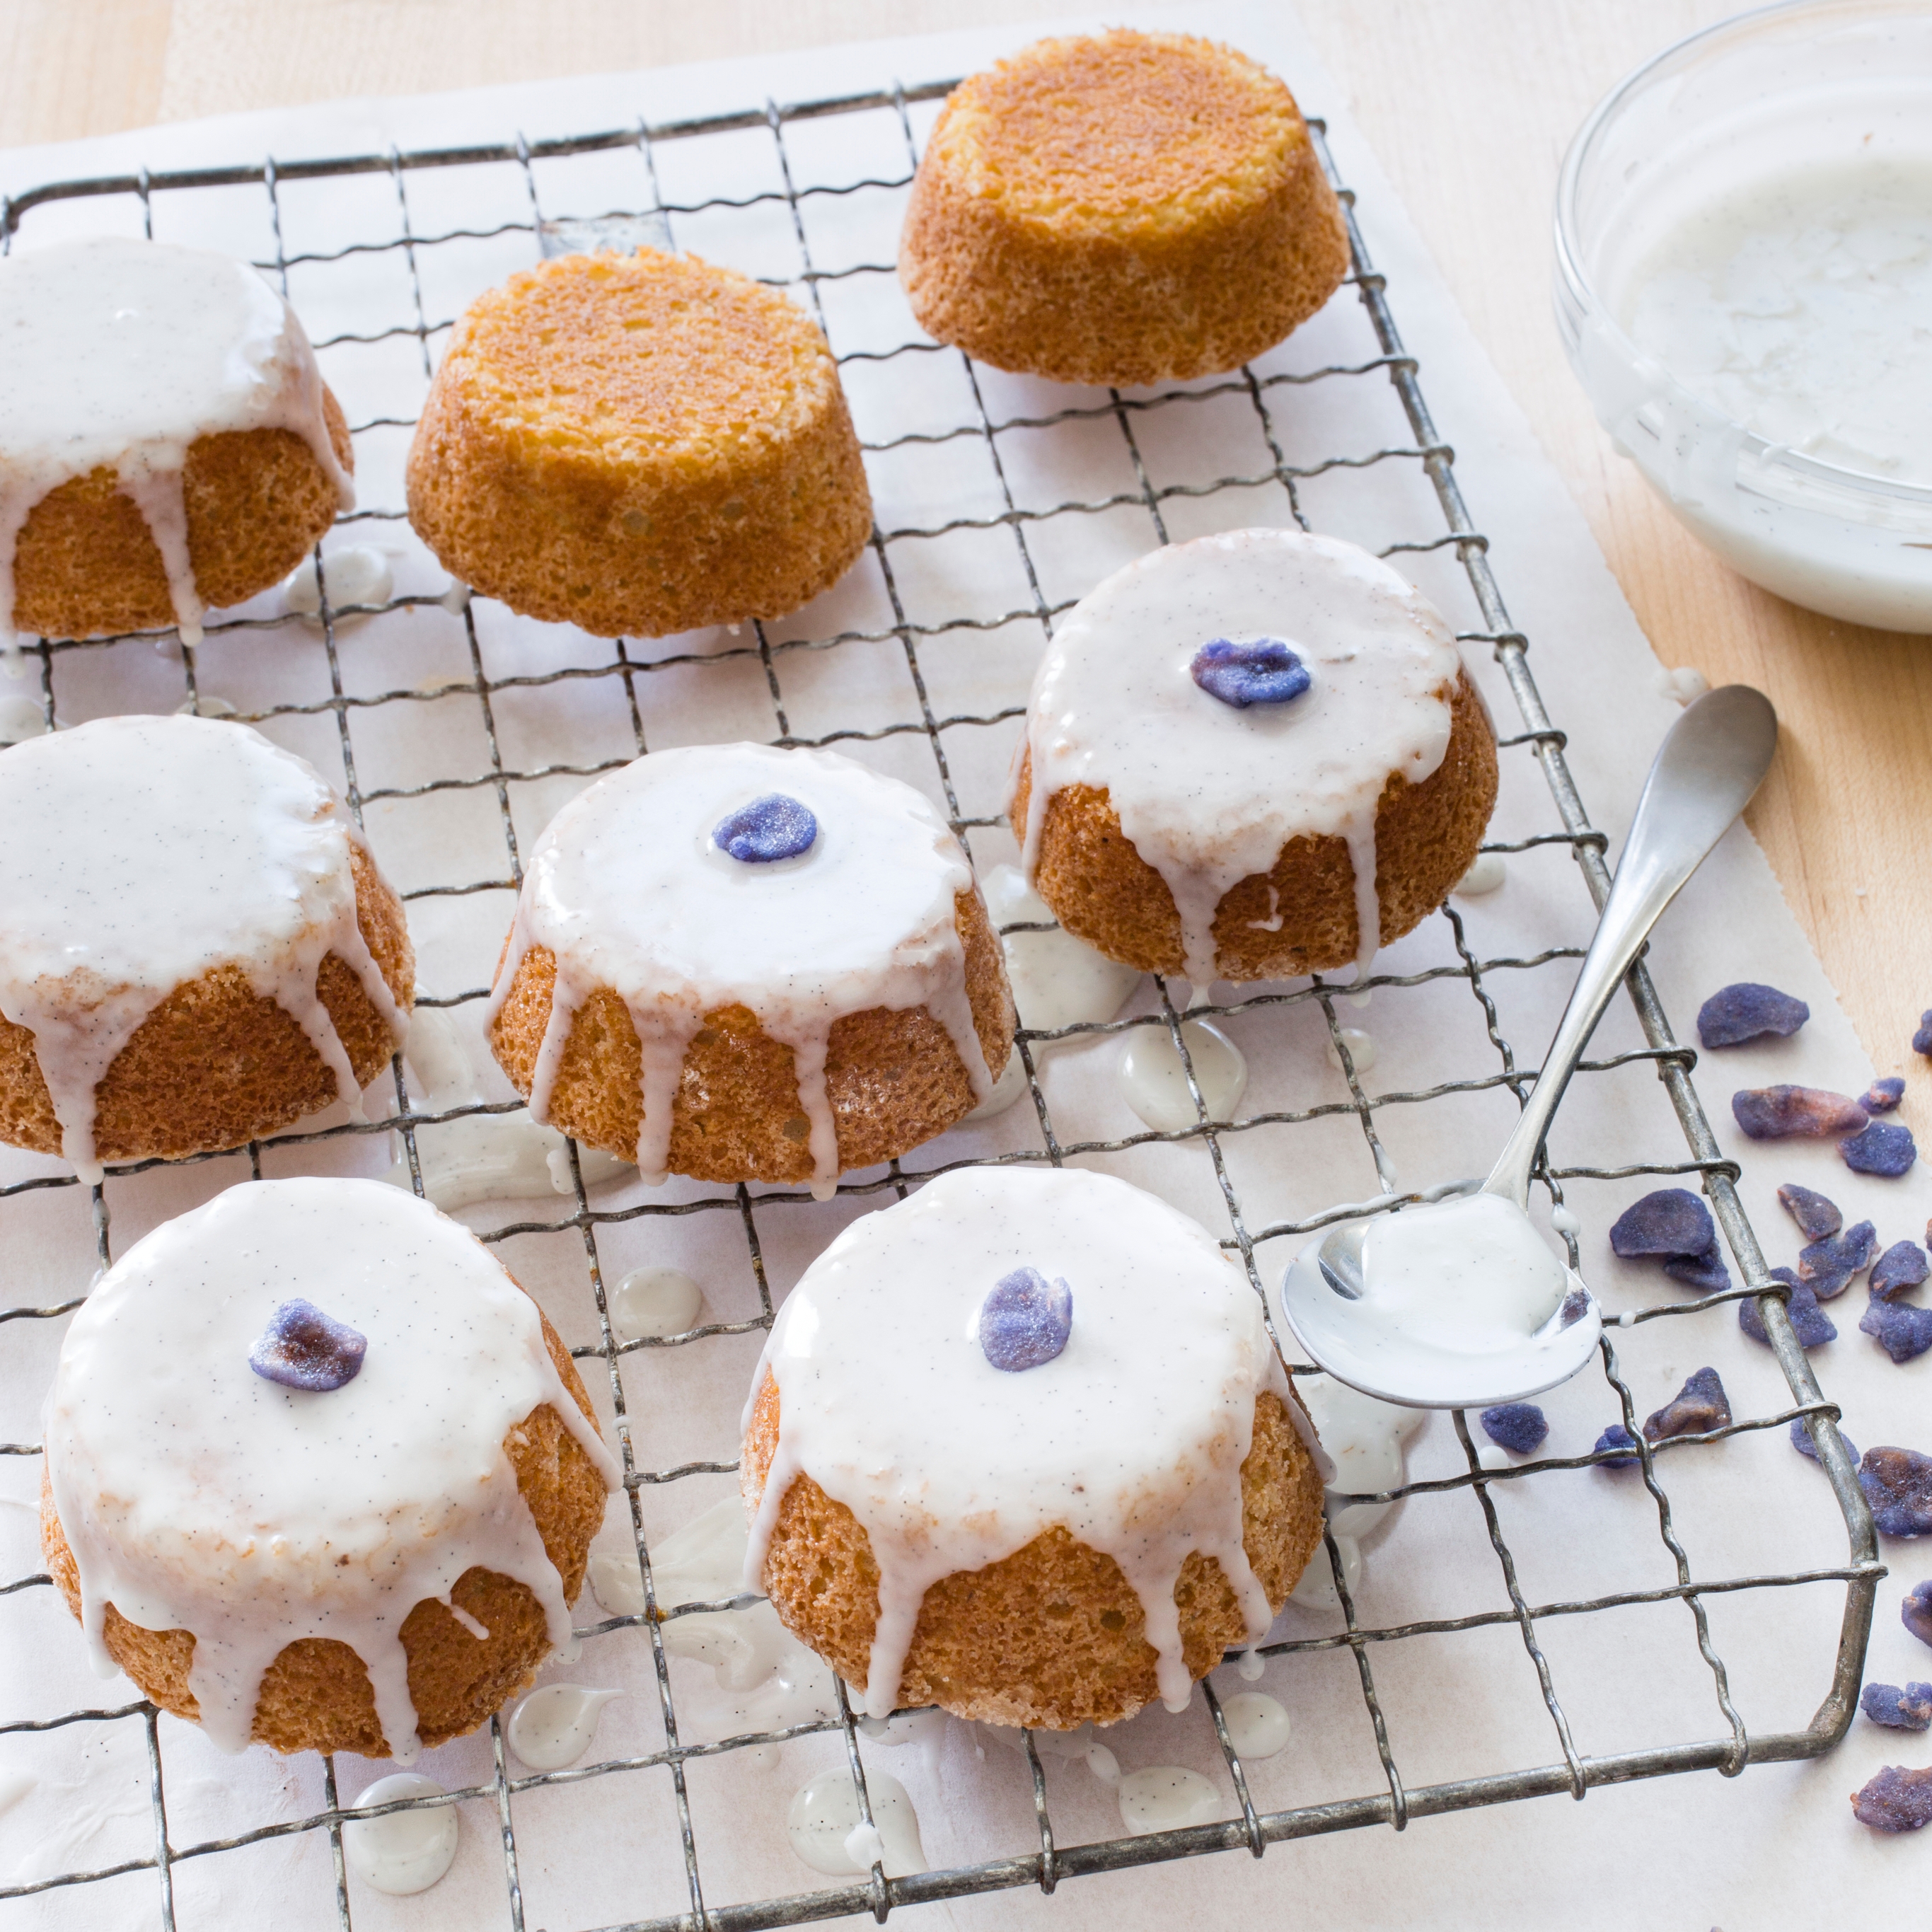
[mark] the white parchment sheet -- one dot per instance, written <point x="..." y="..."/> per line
<point x="1777" y="1847"/>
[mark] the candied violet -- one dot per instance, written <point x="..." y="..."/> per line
<point x="302" y="1348"/>
<point x="1903" y="1265"/>
<point x="1921" y="1041"/>
<point x="1901" y="1328"/>
<point x="1801" y="1441"/>
<point x="1829" y="1265"/>
<point x="1706" y="1273"/>
<point x="1916" y="1612"/>
<point x="1776" y="1113"/>
<point x="1616" y="1437"/>
<point x="1816" y="1214"/>
<point x="1898" y="1707"/>
<point x="1251" y="671"/>
<point x="768" y="829"/>
<point x="1669" y="1221"/>
<point x="1896" y="1800"/>
<point x="1748" y="1011"/>
<point x="1025" y="1321"/>
<point x="1882" y="1095"/>
<point x="1885" y="1148"/>
<point x="1809" y="1322"/>
<point x="1699" y="1405"/>
<point x="1897" y="1483"/>
<point x="1518" y="1427"/>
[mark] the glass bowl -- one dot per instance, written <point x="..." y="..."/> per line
<point x="1812" y="81"/>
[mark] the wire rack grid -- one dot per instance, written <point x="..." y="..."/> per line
<point x="624" y="681"/>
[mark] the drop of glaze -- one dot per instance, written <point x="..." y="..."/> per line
<point x="1683" y="683"/>
<point x="408" y="1851"/>
<point x="826" y="1832"/>
<point x="1165" y="1797"/>
<point x="655" y="1301"/>
<point x="1249" y="1666"/>
<point x="1315" y="1587"/>
<point x="553" y="1726"/>
<point x="1361" y="1047"/>
<point x="1564" y="1222"/>
<point x="775" y="827"/>
<point x="1493" y="1456"/>
<point x="1485" y="875"/>
<point x="204" y="704"/>
<point x="1103" y="1764"/>
<point x="21" y="718"/>
<point x="1154" y="1084"/>
<point x="359" y="574"/>
<point x="1258" y="1726"/>
<point x="498" y="1157"/>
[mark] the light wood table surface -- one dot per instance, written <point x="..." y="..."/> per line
<point x="1469" y="104"/>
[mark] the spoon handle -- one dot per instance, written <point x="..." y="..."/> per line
<point x="1713" y="758"/>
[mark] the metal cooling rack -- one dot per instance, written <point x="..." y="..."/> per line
<point x="1728" y="1749"/>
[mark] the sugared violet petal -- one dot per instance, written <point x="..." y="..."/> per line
<point x="1809" y="1322"/>
<point x="1905" y="1707"/>
<point x="1250" y="671"/>
<point x="1816" y="1214"/>
<point x="1829" y="1265"/>
<point x="1776" y="1113"/>
<point x="1518" y="1427"/>
<point x="1903" y="1265"/>
<point x="1901" y="1328"/>
<point x="768" y="829"/>
<point x="1706" y="1273"/>
<point x="302" y="1348"/>
<point x="1801" y="1441"/>
<point x="1885" y="1148"/>
<point x="1668" y="1221"/>
<point x="1699" y="1405"/>
<point x="1921" y="1041"/>
<point x="1026" y="1320"/>
<point x="1882" y="1095"/>
<point x="1616" y="1437"/>
<point x="1897" y="1483"/>
<point x="1896" y="1800"/>
<point x="1916" y="1612"/>
<point x="1748" y="1011"/>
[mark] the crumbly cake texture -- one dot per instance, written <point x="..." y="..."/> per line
<point x="216" y="1065"/>
<point x="1124" y="208"/>
<point x="257" y="501"/>
<point x="316" y="1696"/>
<point x="1426" y="837"/>
<point x="1053" y="1635"/>
<point x="639" y="444"/>
<point x="894" y="1078"/>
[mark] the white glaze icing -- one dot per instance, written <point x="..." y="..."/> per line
<point x="21" y="717"/>
<point x="1132" y="1438"/>
<point x="196" y="1495"/>
<point x="827" y="1833"/>
<point x="1250" y="1666"/>
<point x="1258" y="1725"/>
<point x="204" y="704"/>
<point x="358" y="574"/>
<point x="124" y="353"/>
<point x="1684" y="683"/>
<point x="655" y="1301"/>
<point x="1165" y="1797"/>
<point x="553" y="1727"/>
<point x="1154" y="1083"/>
<point x="143" y="852"/>
<point x="406" y="1852"/>
<point x="628" y="890"/>
<point x="1362" y="1049"/>
<point x="1208" y="794"/>
<point x="1057" y="980"/>
<point x="1486" y="872"/>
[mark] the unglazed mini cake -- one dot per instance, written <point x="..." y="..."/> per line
<point x="195" y="947"/>
<point x="320" y="1474"/>
<point x="1118" y="208"/>
<point x="743" y="964"/>
<point x="166" y="441"/>
<point x="639" y="444"/>
<point x="1020" y="1446"/>
<point x="1250" y="757"/>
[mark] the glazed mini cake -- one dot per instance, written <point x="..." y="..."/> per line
<point x="1020" y="1446"/>
<point x="1250" y="757"/>
<point x="741" y="964"/>
<point x="166" y="441"/>
<point x="639" y="444"/>
<point x="1121" y="209"/>
<point x="320" y="1474"/>
<point x="195" y="947"/>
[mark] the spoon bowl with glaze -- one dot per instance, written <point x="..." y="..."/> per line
<point x="1459" y="1302"/>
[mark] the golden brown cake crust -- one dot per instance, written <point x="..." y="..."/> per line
<point x="638" y="445"/>
<point x="1426" y="837"/>
<point x="215" y="1066"/>
<point x="1126" y="208"/>
<point x="316" y="1696"/>
<point x="893" y="1078"/>
<point x="1052" y="1636"/>
<point x="257" y="501"/>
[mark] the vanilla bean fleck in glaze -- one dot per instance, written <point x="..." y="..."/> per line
<point x="1207" y="790"/>
<point x="197" y="1495"/>
<point x="143" y="852"/>
<point x="124" y="353"/>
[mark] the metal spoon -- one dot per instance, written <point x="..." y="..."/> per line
<point x="1459" y="1303"/>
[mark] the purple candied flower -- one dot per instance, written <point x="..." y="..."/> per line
<point x="1882" y="1095"/>
<point x="1809" y="1322"/>
<point x="1897" y="1483"/>
<point x="1776" y="1113"/>
<point x="1829" y="1265"/>
<point x="1916" y="1612"/>
<point x="1921" y="1041"/>
<point x="1616" y="1437"/>
<point x="1885" y="1148"/>
<point x="1025" y="1321"/>
<point x="1801" y="1441"/>
<point x="1816" y="1216"/>
<point x="1901" y="1328"/>
<point x="1748" y="1011"/>
<point x="1706" y="1273"/>
<point x="1669" y="1221"/>
<point x="1899" y="1707"/>
<point x="1903" y="1265"/>
<point x="1701" y="1404"/>
<point x="1250" y="671"/>
<point x="302" y="1348"/>
<point x="1520" y="1427"/>
<point x="768" y="829"/>
<point x="1896" y="1800"/>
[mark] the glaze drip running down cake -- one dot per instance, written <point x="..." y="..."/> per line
<point x="1252" y="756"/>
<point x="739" y="963"/>
<point x="1021" y="1446"/>
<point x="166" y="440"/>
<point x="195" y="947"/>
<point x="372" y="1563"/>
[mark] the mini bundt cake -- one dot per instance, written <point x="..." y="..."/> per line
<point x="638" y="445"/>
<point x="1020" y="1446"/>
<point x="195" y="947"/>
<point x="320" y="1474"/>
<point x="166" y="441"/>
<point x="1250" y="757"/>
<point x="1120" y="208"/>
<point x="743" y="964"/>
